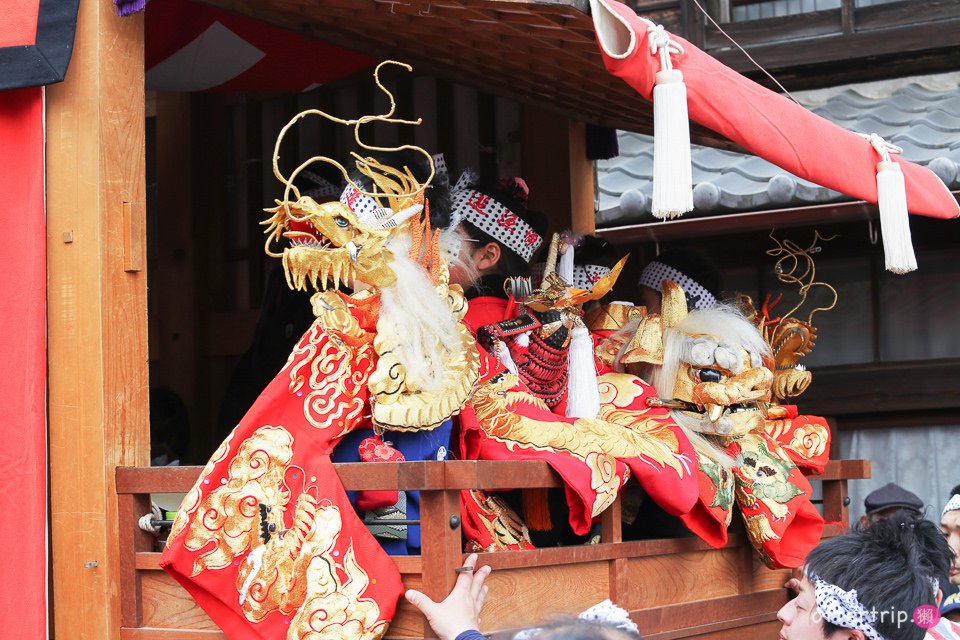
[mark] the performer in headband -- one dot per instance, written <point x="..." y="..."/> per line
<point x="502" y="235"/>
<point x="695" y="273"/>
<point x="504" y="420"/>
<point x="950" y="526"/>
<point x="866" y="584"/>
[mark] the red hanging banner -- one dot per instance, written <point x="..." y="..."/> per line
<point x="23" y="362"/>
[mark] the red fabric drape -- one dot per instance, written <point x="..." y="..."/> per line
<point x="289" y="62"/>
<point x="773" y="127"/>
<point x="23" y="603"/>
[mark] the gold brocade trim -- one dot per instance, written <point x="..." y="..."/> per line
<point x="401" y="409"/>
<point x="398" y="407"/>
<point x="503" y="525"/>
<point x="596" y="442"/>
<point x="613" y="316"/>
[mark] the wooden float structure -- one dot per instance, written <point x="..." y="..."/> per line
<point x="673" y="588"/>
<point x="105" y="577"/>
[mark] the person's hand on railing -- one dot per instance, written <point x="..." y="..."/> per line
<point x="459" y="611"/>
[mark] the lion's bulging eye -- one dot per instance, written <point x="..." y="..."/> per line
<point x="341" y="222"/>
<point x="707" y="375"/>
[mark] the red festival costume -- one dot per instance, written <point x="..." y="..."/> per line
<point x="267" y="542"/>
<point x="595" y="457"/>
<point x="719" y="392"/>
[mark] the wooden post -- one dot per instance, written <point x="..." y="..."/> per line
<point x="97" y="312"/>
<point x="441" y="547"/>
<point x="847" y="10"/>
<point x="556" y="168"/>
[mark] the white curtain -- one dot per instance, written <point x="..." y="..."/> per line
<point x="924" y="460"/>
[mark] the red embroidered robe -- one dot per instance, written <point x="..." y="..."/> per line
<point x="267" y="542"/>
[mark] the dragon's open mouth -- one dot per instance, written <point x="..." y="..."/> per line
<point x="310" y="238"/>
<point x="314" y="259"/>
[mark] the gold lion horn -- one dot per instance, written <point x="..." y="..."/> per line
<point x="674" y="305"/>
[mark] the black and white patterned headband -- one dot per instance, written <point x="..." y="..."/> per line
<point x="497" y="221"/>
<point x="844" y="609"/>
<point x="361" y="204"/>
<point x="322" y="189"/>
<point x="604" y="613"/>
<point x="953" y="504"/>
<point x="369" y="212"/>
<point x="587" y="275"/>
<point x="656" y="273"/>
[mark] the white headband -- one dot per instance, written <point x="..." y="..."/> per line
<point x="587" y="275"/>
<point x="497" y="221"/>
<point x="604" y="613"/>
<point x="360" y="203"/>
<point x="952" y="505"/>
<point x="844" y="609"/>
<point x="369" y="212"/>
<point x="656" y="273"/>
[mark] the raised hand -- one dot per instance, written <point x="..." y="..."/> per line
<point x="459" y="611"/>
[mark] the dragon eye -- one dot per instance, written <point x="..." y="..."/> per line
<point x="707" y="375"/>
<point x="342" y="222"/>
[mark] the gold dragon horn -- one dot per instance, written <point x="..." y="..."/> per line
<point x="674" y="305"/>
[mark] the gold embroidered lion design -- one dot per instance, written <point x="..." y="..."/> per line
<point x="228" y="516"/>
<point x="291" y="570"/>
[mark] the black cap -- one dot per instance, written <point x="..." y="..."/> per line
<point x="891" y="496"/>
<point x="950" y="602"/>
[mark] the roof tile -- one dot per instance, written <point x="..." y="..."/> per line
<point x="922" y="118"/>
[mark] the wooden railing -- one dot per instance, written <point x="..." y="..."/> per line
<point x="674" y="588"/>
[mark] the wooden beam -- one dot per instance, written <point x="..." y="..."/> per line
<point x="737" y="223"/>
<point x="583" y="218"/>
<point x="849" y="390"/>
<point x="827" y="44"/>
<point x="847" y="10"/>
<point x="97" y="312"/>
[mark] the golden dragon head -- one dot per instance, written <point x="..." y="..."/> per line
<point x="345" y="240"/>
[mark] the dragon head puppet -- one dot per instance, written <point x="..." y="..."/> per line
<point x="345" y="241"/>
<point x="378" y="241"/>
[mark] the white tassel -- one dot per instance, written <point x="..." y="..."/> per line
<point x="523" y="340"/>
<point x="892" y="200"/>
<point x="894" y="220"/>
<point x="583" y="394"/>
<point x="565" y="264"/>
<point x="672" y="173"/>
<point x="503" y="355"/>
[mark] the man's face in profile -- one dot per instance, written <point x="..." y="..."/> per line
<point x="801" y="619"/>
<point x="950" y="526"/>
